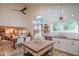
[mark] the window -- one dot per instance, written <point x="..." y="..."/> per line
<point x="56" y="26"/>
<point x="37" y="24"/>
<point x="37" y="20"/>
<point x="67" y="26"/>
<point x="71" y="26"/>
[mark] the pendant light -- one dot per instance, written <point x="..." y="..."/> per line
<point x="61" y="13"/>
<point x="61" y="19"/>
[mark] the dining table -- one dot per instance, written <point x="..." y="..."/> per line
<point x="38" y="47"/>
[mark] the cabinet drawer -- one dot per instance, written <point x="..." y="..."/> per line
<point x="69" y="46"/>
<point x="73" y="47"/>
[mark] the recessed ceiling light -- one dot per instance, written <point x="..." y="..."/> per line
<point x="72" y="15"/>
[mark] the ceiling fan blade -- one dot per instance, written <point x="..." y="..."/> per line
<point x="24" y="9"/>
<point x="21" y="10"/>
<point x="24" y="13"/>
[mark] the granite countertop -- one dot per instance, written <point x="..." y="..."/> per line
<point x="65" y="38"/>
<point x="61" y="37"/>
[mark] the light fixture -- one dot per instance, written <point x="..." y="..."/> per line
<point x="61" y="13"/>
<point x="61" y="18"/>
<point x="72" y="15"/>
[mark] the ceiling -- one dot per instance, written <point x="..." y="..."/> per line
<point x="50" y="4"/>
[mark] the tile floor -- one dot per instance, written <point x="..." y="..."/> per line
<point x="58" y="53"/>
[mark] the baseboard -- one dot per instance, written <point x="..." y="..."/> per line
<point x="65" y="52"/>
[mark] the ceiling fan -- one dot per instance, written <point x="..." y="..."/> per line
<point x="22" y="10"/>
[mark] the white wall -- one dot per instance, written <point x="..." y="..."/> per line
<point x="51" y="12"/>
<point x="9" y="17"/>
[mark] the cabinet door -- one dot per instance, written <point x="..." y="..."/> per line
<point x="73" y="47"/>
<point x="56" y="44"/>
<point x="63" y="45"/>
<point x="60" y="44"/>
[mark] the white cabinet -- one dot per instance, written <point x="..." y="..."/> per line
<point x="63" y="45"/>
<point x="56" y="44"/>
<point x="60" y="44"/>
<point x="70" y="46"/>
<point x="73" y="47"/>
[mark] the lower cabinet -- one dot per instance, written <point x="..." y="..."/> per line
<point x="73" y="47"/>
<point x="69" y="46"/>
<point x="56" y="44"/>
<point x="63" y="45"/>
